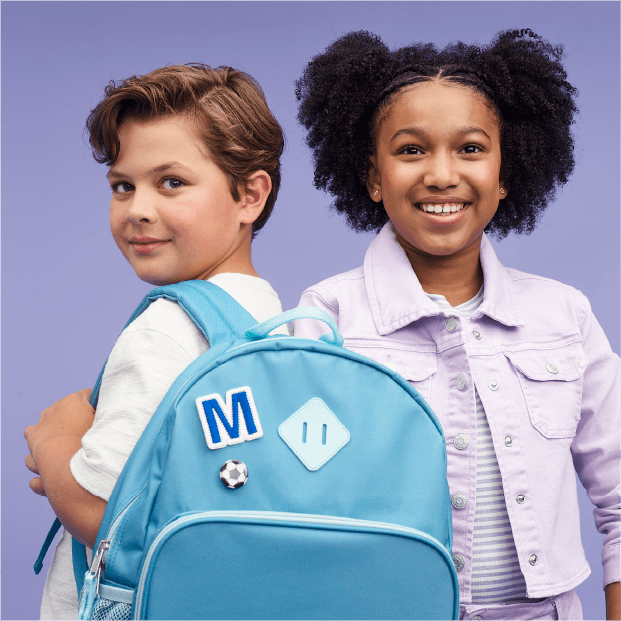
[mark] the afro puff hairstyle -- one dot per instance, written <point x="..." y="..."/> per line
<point x="347" y="90"/>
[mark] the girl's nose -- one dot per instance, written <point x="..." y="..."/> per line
<point x="141" y="211"/>
<point x="442" y="172"/>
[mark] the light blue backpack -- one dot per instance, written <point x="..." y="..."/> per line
<point x="280" y="478"/>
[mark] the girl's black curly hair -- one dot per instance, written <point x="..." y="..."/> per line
<point x="344" y="91"/>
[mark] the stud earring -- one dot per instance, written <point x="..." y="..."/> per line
<point x="502" y="190"/>
<point x="376" y="193"/>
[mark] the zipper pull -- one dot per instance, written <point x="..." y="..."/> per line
<point x="98" y="565"/>
<point x="90" y="590"/>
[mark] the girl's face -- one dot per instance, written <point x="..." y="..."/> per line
<point x="437" y="169"/>
<point x="171" y="213"/>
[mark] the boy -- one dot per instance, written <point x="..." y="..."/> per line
<point x="193" y="155"/>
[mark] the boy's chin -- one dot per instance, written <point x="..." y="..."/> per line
<point x="158" y="280"/>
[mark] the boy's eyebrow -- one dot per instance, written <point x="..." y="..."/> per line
<point x="416" y="131"/>
<point x="115" y="174"/>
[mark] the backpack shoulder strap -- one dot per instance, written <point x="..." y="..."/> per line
<point x="216" y="314"/>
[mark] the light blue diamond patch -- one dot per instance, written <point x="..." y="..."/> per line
<point x="314" y="434"/>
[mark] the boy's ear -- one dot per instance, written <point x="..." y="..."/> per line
<point x="373" y="181"/>
<point x="257" y="188"/>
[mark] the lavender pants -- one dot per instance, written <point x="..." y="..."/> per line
<point x="565" y="606"/>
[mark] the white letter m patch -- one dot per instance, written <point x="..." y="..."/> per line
<point x="222" y="423"/>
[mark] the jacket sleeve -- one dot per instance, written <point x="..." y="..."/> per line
<point x="595" y="448"/>
<point x="312" y="328"/>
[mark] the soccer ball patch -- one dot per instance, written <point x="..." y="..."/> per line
<point x="233" y="474"/>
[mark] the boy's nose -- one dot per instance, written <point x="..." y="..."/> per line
<point x="140" y="211"/>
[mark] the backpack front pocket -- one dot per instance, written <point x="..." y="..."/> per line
<point x="264" y="565"/>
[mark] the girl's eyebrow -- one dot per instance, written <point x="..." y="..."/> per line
<point x="115" y="174"/>
<point x="419" y="132"/>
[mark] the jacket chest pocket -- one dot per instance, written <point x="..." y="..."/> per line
<point x="551" y="381"/>
<point x="418" y="368"/>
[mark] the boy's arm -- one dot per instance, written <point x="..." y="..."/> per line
<point x="52" y="442"/>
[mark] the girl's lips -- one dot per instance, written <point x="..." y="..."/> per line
<point x="443" y="217"/>
<point x="443" y="207"/>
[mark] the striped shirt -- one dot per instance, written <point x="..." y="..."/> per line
<point x="496" y="573"/>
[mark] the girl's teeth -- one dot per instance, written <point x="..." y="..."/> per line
<point x="441" y="207"/>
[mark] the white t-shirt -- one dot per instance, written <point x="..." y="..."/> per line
<point x="145" y="361"/>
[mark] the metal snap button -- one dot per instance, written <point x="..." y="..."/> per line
<point x="532" y="559"/>
<point x="233" y="474"/>
<point x="450" y="323"/>
<point x="476" y="334"/>
<point x="551" y="368"/>
<point x="459" y="501"/>
<point x="461" y="441"/>
<point x="520" y="498"/>
<point x="477" y="618"/>
<point x="461" y="381"/>
<point x="508" y="441"/>
<point x="493" y="384"/>
<point x="459" y="562"/>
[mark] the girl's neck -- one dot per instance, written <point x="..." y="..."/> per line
<point x="457" y="277"/>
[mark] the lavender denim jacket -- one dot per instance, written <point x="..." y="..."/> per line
<point x="548" y="380"/>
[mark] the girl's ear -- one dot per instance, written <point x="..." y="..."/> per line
<point x="503" y="189"/>
<point x="373" y="180"/>
<point x="257" y="189"/>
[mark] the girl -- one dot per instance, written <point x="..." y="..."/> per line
<point x="194" y="168"/>
<point x="434" y="149"/>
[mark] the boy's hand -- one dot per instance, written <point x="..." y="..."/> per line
<point x="65" y="421"/>
<point x="53" y="442"/>
<point x="36" y="484"/>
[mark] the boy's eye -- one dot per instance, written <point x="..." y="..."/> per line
<point x="172" y="184"/>
<point x="411" y="150"/>
<point x="122" y="187"/>
<point x="471" y="148"/>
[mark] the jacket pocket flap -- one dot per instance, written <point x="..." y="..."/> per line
<point x="561" y="364"/>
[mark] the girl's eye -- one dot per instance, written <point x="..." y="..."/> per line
<point x="471" y="148"/>
<point x="122" y="187"/>
<point x="172" y="184"/>
<point x="411" y="150"/>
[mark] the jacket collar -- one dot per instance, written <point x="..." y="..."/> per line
<point x="397" y="298"/>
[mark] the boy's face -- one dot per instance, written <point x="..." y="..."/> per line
<point x="171" y="213"/>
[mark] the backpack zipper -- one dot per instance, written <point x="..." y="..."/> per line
<point x="90" y="590"/>
<point x="105" y="545"/>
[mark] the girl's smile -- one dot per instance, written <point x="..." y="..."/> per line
<point x="436" y="167"/>
<point x="443" y="211"/>
<point x="441" y="208"/>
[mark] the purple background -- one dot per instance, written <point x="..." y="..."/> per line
<point x="67" y="291"/>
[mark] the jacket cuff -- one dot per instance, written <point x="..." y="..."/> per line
<point x="611" y="556"/>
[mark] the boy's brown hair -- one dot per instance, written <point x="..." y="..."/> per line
<point x="239" y="131"/>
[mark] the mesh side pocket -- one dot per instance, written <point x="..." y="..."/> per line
<point x="111" y="610"/>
